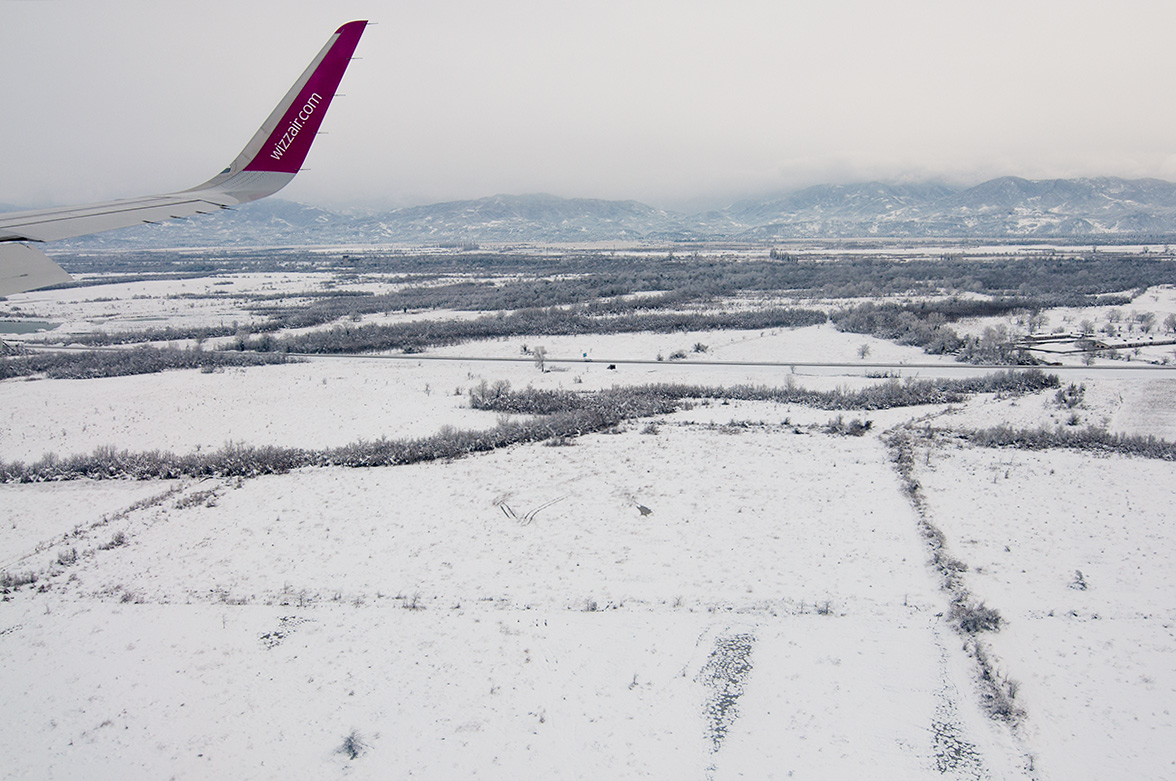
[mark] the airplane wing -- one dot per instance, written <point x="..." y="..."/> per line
<point x="266" y="164"/>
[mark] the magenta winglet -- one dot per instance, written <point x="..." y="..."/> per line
<point x="286" y="148"/>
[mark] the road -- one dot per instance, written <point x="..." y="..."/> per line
<point x="1123" y="370"/>
<point x="1118" y="370"/>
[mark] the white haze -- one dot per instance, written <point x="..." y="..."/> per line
<point x="666" y="102"/>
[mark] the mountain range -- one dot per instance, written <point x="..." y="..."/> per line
<point x="1004" y="208"/>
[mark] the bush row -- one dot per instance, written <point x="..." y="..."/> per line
<point x="1095" y="439"/>
<point x="118" y="363"/>
<point x="893" y="393"/>
<point x="248" y="461"/>
<point x="559" y="415"/>
<point x="552" y="321"/>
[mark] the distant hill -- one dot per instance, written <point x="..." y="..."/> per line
<point x="521" y="218"/>
<point x="1008" y="207"/>
<point x="1004" y="208"/>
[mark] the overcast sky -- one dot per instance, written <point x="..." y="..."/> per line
<point x="674" y="103"/>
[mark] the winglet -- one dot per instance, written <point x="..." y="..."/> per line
<point x="302" y="110"/>
<point x="278" y="149"/>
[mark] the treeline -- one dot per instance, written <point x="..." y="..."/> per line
<point x="606" y="411"/>
<point x="484" y="296"/>
<point x="117" y="363"/>
<point x="557" y="415"/>
<point x="416" y="336"/>
<point x="886" y="395"/>
<point x="1035" y="283"/>
<point x="344" y="307"/>
<point x="901" y="323"/>
<point x="171" y="334"/>
<point x="1063" y="273"/>
<point x="602" y="282"/>
<point x="925" y="324"/>
<point x="1095" y="439"/>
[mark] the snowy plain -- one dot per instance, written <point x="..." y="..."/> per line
<point x="727" y="591"/>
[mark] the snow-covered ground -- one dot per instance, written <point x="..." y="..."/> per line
<point x="730" y="592"/>
<point x="1079" y="556"/>
<point x="330" y="402"/>
<point x="277" y="615"/>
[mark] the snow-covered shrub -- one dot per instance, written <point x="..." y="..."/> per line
<point x="118" y="363"/>
<point x="116" y="541"/>
<point x="11" y="582"/>
<point x="975" y="617"/>
<point x="854" y="428"/>
<point x="1070" y="396"/>
<point x="354" y="745"/>
<point x="1090" y="438"/>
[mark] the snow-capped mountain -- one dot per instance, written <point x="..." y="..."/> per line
<point x="522" y="218"/>
<point x="1008" y="207"/>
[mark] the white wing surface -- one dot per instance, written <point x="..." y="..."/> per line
<point x="267" y="164"/>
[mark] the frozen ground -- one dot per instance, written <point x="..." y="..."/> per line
<point x="730" y="593"/>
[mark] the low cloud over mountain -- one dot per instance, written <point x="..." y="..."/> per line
<point x="1008" y="207"/>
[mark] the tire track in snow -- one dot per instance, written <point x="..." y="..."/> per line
<point x="955" y="756"/>
<point x="952" y="753"/>
<point x="725" y="673"/>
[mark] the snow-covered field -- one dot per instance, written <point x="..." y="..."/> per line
<point x="1079" y="555"/>
<point x="731" y="592"/>
<point x="330" y="402"/>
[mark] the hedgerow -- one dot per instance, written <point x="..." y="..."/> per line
<point x="552" y="321"/>
<point x="117" y="363"/>
<point x="554" y="415"/>
<point x="1091" y="439"/>
<point x="234" y="460"/>
<point x="893" y="393"/>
